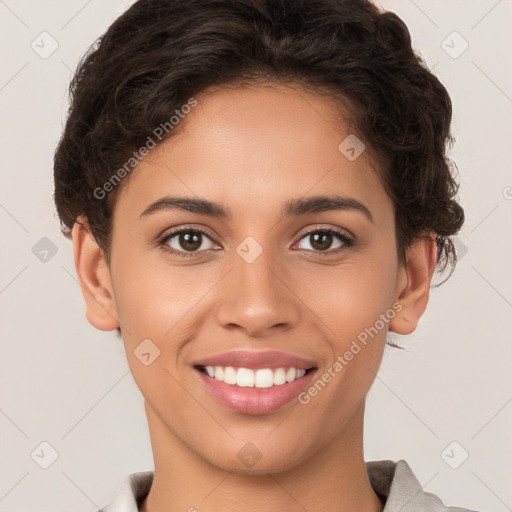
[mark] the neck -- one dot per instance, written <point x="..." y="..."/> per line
<point x="333" y="479"/>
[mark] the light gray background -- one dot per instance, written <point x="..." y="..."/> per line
<point x="68" y="384"/>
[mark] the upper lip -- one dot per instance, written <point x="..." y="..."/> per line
<point x="255" y="360"/>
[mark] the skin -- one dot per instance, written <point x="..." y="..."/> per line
<point x="252" y="149"/>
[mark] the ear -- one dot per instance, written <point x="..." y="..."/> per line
<point x="94" y="277"/>
<point x="414" y="284"/>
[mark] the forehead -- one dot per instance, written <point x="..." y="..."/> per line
<point x="255" y="146"/>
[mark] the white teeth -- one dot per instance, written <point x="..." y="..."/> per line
<point x="279" y="376"/>
<point x="291" y="374"/>
<point x="219" y="373"/>
<point x="261" y="378"/>
<point x="229" y="375"/>
<point x="264" y="378"/>
<point x="245" y="378"/>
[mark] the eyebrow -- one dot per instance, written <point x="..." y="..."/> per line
<point x="292" y="207"/>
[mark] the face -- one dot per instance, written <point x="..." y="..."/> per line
<point x="278" y="272"/>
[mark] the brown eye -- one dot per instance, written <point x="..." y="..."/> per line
<point x="186" y="242"/>
<point x="323" y="240"/>
<point x="190" y="241"/>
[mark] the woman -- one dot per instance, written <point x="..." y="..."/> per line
<point x="257" y="192"/>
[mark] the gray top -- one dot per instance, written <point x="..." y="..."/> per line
<point x="393" y="482"/>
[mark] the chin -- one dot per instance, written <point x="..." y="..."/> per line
<point x="250" y="461"/>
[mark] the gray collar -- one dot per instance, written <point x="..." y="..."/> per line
<point x="394" y="483"/>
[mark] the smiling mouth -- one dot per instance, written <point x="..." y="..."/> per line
<point x="254" y="378"/>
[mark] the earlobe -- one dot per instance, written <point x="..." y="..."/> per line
<point x="94" y="277"/>
<point x="421" y="259"/>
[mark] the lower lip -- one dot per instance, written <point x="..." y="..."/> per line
<point x="255" y="401"/>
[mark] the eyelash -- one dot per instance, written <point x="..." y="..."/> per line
<point x="162" y="242"/>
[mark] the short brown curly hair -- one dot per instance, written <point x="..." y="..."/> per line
<point x="159" y="53"/>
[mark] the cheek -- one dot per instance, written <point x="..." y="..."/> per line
<point x="152" y="305"/>
<point x="164" y="305"/>
<point x="356" y="338"/>
<point x="351" y="298"/>
<point x="152" y="297"/>
<point x="356" y="304"/>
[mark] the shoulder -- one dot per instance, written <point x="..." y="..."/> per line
<point x="134" y="488"/>
<point x="396" y="485"/>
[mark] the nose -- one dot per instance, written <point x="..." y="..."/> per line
<point x="257" y="297"/>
